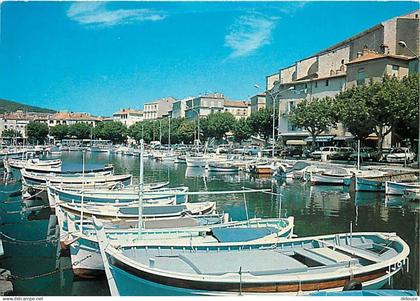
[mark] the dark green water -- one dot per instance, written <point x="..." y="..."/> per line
<point x="317" y="210"/>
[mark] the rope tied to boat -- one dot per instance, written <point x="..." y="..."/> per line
<point x="12" y="240"/>
<point x="55" y="271"/>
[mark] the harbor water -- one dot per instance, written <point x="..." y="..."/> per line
<point x="40" y="269"/>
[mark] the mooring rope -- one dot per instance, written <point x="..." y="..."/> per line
<point x="55" y="271"/>
<point x="12" y="240"/>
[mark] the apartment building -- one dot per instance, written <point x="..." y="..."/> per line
<point x="258" y="102"/>
<point x="128" y="117"/>
<point x="368" y="55"/>
<point x="204" y="105"/>
<point x="158" y="108"/>
<point x="179" y="107"/>
<point x="239" y="109"/>
<point x="70" y="118"/>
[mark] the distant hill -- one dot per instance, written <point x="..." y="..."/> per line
<point x="12" y="106"/>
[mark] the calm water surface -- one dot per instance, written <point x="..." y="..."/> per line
<point x="317" y="210"/>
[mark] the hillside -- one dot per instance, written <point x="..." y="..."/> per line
<point x="11" y="106"/>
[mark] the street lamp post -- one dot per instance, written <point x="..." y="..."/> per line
<point x="404" y="45"/>
<point x="274" y="98"/>
<point x="198" y="124"/>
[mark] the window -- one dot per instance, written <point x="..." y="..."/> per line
<point x="361" y="76"/>
<point x="342" y="62"/>
<point x="327" y="82"/>
<point x="395" y="67"/>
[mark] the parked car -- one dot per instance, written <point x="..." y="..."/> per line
<point x="268" y="151"/>
<point x="248" y="150"/>
<point x="366" y="154"/>
<point x="343" y="153"/>
<point x="291" y="151"/>
<point x="400" y="155"/>
<point x="324" y="151"/>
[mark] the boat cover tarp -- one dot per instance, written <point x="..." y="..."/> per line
<point x="241" y="234"/>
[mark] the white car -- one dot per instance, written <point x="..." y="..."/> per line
<point x="400" y="155"/>
<point x="325" y="151"/>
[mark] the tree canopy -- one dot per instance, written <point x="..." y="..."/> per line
<point x="37" y="132"/>
<point x="315" y="116"/>
<point x="114" y="131"/>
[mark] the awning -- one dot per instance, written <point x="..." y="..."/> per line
<point x="321" y="139"/>
<point x="295" y="142"/>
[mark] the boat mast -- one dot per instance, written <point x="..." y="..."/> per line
<point x="358" y="154"/>
<point x="83" y="189"/>
<point x="140" y="223"/>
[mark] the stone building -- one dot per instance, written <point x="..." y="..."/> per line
<point x="365" y="56"/>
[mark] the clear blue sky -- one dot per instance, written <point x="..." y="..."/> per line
<point x="98" y="57"/>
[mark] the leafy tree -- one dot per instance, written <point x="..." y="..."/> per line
<point x="10" y="133"/>
<point x="37" y="132"/>
<point x="186" y="131"/>
<point x="261" y="122"/>
<point x="142" y="130"/>
<point x="354" y="112"/>
<point x="242" y="130"/>
<point x="217" y="124"/>
<point x="381" y="107"/>
<point x="407" y="126"/>
<point x="315" y="116"/>
<point x="59" y="131"/>
<point x="114" y="131"/>
<point x="80" y="130"/>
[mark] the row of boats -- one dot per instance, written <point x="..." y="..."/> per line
<point x="150" y="240"/>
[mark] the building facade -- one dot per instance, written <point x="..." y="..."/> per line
<point x="158" y="109"/>
<point x="128" y="117"/>
<point x="202" y="106"/>
<point x="179" y="107"/>
<point x="366" y="56"/>
<point x="258" y="102"/>
<point x="239" y="109"/>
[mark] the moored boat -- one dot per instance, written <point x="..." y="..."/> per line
<point x="398" y="188"/>
<point x="296" y="266"/>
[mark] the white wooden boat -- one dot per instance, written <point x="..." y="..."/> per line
<point x="87" y="261"/>
<point x="398" y="188"/>
<point x="130" y="211"/>
<point x="163" y="196"/>
<point x="296" y="266"/>
<point x="222" y="167"/>
<point x="196" y="161"/>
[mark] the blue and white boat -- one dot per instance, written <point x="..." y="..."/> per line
<point x="87" y="261"/>
<point x="291" y="267"/>
<point x="399" y="188"/>
<point x="125" y="195"/>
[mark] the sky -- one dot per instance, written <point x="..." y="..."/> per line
<point x="98" y="57"/>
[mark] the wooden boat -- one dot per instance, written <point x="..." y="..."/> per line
<point x="222" y="167"/>
<point x="151" y="195"/>
<point x="295" y="266"/>
<point x="398" y="188"/>
<point x="377" y="183"/>
<point x="261" y="169"/>
<point x="412" y="194"/>
<point x="368" y="293"/>
<point x="54" y="164"/>
<point x="130" y="211"/>
<point x="29" y="178"/>
<point x="107" y="169"/>
<point x="196" y="161"/>
<point x="85" y="245"/>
